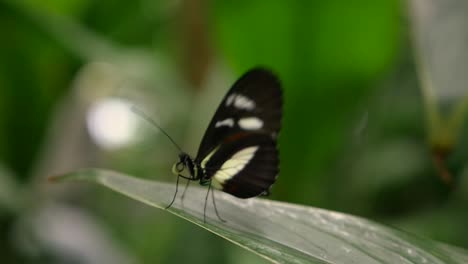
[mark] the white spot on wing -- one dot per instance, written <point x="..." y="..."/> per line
<point x="250" y="123"/>
<point x="243" y="102"/>
<point x="233" y="166"/>
<point x="240" y="101"/>
<point x="230" y="99"/>
<point x="226" y="122"/>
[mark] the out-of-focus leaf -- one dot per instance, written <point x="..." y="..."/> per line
<point x="70" y="7"/>
<point x="282" y="232"/>
<point x="314" y="37"/>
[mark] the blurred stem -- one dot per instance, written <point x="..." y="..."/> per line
<point x="441" y="137"/>
<point x="443" y="131"/>
<point x="458" y="116"/>
<point x="196" y="45"/>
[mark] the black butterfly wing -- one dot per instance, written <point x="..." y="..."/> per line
<point x="244" y="167"/>
<point x="238" y="151"/>
<point x="253" y="104"/>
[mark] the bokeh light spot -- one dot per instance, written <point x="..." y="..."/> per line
<point x="111" y="123"/>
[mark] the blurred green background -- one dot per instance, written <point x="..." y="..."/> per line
<point x="354" y="135"/>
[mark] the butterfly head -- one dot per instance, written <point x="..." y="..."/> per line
<point x="184" y="162"/>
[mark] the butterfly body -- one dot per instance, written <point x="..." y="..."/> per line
<point x="238" y="153"/>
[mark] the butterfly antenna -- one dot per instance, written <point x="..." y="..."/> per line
<point x="151" y="121"/>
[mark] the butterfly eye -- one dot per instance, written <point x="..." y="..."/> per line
<point x="180" y="166"/>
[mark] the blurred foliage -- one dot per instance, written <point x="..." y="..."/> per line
<point x="353" y="139"/>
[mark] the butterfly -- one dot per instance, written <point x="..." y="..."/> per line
<point x="239" y="152"/>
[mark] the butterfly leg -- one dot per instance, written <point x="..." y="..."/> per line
<point x="175" y="194"/>
<point x="206" y="200"/>
<point x="185" y="190"/>
<point x="177" y="188"/>
<point x="216" y="209"/>
<point x="214" y="203"/>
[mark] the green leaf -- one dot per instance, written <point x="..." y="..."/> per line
<point x="282" y="232"/>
